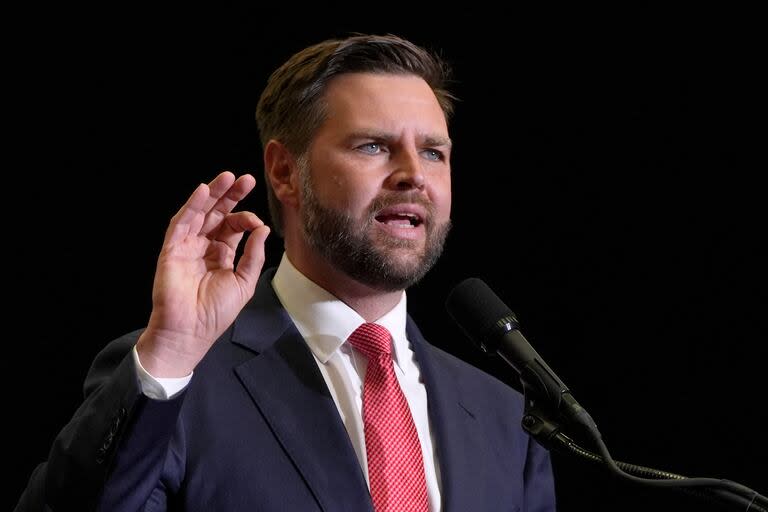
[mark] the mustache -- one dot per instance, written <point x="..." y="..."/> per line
<point x="388" y="199"/>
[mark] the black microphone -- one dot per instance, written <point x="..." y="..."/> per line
<point x="490" y="324"/>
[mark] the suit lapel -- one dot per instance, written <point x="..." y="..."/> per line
<point x="287" y="387"/>
<point x="453" y="424"/>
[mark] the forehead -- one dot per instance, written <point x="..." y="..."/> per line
<point x="359" y="101"/>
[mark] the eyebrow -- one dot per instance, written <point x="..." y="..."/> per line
<point x="429" y="140"/>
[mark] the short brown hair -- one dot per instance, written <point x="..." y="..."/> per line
<point x="291" y="108"/>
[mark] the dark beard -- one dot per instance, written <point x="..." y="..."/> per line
<point x="348" y="246"/>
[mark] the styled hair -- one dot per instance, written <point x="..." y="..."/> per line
<point x="292" y="106"/>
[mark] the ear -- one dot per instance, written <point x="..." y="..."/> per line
<point x="282" y="172"/>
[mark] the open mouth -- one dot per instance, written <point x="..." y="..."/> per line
<point x="400" y="219"/>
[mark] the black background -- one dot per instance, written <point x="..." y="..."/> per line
<point x="606" y="185"/>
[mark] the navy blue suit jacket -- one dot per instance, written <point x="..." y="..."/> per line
<point x="257" y="429"/>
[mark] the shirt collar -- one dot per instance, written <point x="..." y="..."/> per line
<point x="326" y="322"/>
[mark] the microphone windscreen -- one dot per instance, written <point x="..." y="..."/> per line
<point x="476" y="308"/>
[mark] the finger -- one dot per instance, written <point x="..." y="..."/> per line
<point x="235" y="225"/>
<point x="250" y="264"/>
<point x="192" y="209"/>
<point x="191" y="216"/>
<point x="226" y="202"/>
<point x="219" y="186"/>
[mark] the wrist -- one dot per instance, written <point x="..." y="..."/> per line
<point x="167" y="355"/>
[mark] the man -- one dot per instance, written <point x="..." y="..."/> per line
<point x="308" y="387"/>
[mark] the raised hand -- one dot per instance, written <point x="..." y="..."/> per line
<point x="197" y="290"/>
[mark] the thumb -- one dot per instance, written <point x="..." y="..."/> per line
<point x="250" y="264"/>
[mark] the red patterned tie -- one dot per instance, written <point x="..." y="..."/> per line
<point x="395" y="465"/>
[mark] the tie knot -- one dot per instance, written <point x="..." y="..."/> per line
<point x="372" y="340"/>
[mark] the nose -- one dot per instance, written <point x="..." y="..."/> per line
<point x="408" y="173"/>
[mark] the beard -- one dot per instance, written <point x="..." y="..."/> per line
<point x="348" y="243"/>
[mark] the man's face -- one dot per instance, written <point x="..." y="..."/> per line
<point x="376" y="183"/>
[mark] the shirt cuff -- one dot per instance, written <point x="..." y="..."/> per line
<point x="156" y="387"/>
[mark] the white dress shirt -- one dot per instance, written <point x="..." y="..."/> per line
<point x="325" y="323"/>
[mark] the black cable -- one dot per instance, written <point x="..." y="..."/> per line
<point x="655" y="474"/>
<point x="745" y="495"/>
<point x="538" y="424"/>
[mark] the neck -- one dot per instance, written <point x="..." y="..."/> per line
<point x="369" y="303"/>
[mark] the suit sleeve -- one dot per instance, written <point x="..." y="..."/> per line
<point x="86" y="459"/>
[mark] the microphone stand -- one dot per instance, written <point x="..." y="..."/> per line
<point x="539" y="423"/>
<point x="548" y="402"/>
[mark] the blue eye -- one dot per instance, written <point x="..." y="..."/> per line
<point x="370" y="148"/>
<point x="433" y="154"/>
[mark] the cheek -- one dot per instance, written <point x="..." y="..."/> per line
<point x="331" y="188"/>
<point x="345" y="194"/>
<point x="441" y="198"/>
<point x="338" y="181"/>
